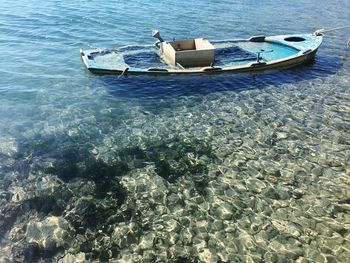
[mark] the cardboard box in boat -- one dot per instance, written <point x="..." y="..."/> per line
<point x="197" y="52"/>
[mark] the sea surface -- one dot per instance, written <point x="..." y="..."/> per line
<point x="217" y="168"/>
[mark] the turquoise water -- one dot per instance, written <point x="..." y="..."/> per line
<point x="226" y="168"/>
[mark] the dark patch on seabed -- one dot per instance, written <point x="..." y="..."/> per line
<point x="74" y="160"/>
<point x="87" y="191"/>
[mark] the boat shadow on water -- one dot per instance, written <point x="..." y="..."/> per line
<point x="162" y="87"/>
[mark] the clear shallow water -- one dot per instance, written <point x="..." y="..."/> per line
<point x="230" y="167"/>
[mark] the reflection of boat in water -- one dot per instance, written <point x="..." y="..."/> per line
<point x="194" y="56"/>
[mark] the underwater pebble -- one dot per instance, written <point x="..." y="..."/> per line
<point x="316" y="256"/>
<point x="18" y="194"/>
<point x="199" y="244"/>
<point x="217" y="225"/>
<point x="70" y="258"/>
<point x="147" y="241"/>
<point x="255" y="185"/>
<point x="222" y="210"/>
<point x="185" y="236"/>
<point x="51" y="233"/>
<point x="317" y="171"/>
<point x="172" y="225"/>
<point x="202" y="226"/>
<point x="281" y="135"/>
<point x="332" y="242"/>
<point x="205" y="255"/>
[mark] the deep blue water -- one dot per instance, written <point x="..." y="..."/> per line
<point x="58" y="121"/>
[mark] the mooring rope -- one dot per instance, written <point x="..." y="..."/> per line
<point x="323" y="30"/>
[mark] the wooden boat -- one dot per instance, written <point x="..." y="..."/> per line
<point x="199" y="56"/>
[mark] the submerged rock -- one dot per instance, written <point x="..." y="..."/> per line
<point x="256" y="185"/>
<point x="287" y="227"/>
<point x="42" y="240"/>
<point x="147" y="241"/>
<point x="207" y="255"/>
<point x="223" y="211"/>
<point x="70" y="258"/>
<point x="50" y="234"/>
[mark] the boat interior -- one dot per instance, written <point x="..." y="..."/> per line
<point x="226" y="53"/>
